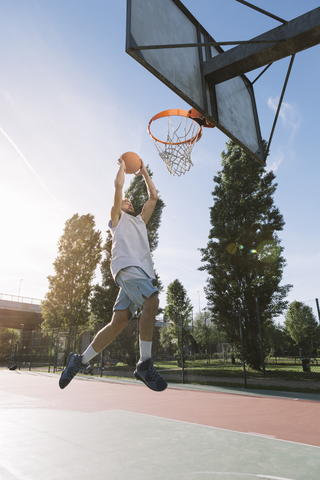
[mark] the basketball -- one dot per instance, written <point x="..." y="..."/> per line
<point x="132" y="161"/>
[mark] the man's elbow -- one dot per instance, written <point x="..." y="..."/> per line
<point x="117" y="184"/>
<point x="154" y="196"/>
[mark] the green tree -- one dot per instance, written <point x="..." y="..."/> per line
<point x="105" y="294"/>
<point x="281" y="344"/>
<point x="243" y="255"/>
<point x="206" y="333"/>
<point x="302" y="326"/>
<point x="177" y="312"/>
<point x="79" y="252"/>
<point x="8" y="337"/>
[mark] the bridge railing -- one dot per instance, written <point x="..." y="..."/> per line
<point x="20" y="299"/>
<point x="17" y="303"/>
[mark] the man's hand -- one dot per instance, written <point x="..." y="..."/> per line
<point x="143" y="171"/>
<point x="122" y="164"/>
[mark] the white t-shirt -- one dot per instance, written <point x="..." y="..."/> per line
<point x="130" y="245"/>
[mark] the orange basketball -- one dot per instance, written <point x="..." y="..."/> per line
<point x="132" y="161"/>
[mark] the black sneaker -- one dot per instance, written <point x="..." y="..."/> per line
<point x="74" y="365"/>
<point x="146" y="372"/>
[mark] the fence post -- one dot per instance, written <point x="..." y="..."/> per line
<point x="32" y="341"/>
<point x="182" y="355"/>
<point x="75" y="339"/>
<point x="11" y="358"/>
<point x="242" y="350"/>
<point x="55" y="361"/>
<point x="206" y="332"/>
<point x="101" y="361"/>
<point x="50" y="350"/>
<point x="68" y="344"/>
<point x="21" y="345"/>
<point x="260" y="339"/>
<point x="138" y="340"/>
<point x="318" y="309"/>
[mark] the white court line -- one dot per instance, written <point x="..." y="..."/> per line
<point x="186" y="422"/>
<point x="222" y="429"/>
<point x="266" y="477"/>
<point x="261" y="434"/>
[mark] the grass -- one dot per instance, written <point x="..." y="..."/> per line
<point x="286" y="371"/>
<point x="289" y="372"/>
<point x="217" y="368"/>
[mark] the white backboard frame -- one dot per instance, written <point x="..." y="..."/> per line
<point x="229" y="105"/>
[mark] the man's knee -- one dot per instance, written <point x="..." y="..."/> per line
<point x="121" y="317"/>
<point x="152" y="301"/>
<point x="156" y="300"/>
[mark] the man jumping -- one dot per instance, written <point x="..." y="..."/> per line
<point x="132" y="270"/>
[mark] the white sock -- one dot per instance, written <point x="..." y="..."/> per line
<point x="88" y="355"/>
<point x="145" y="350"/>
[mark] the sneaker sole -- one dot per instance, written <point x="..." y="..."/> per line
<point x="69" y="358"/>
<point x="136" y="374"/>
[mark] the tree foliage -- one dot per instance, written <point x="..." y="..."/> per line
<point x="177" y="312"/>
<point x="205" y="332"/>
<point x="79" y="252"/>
<point x="243" y="255"/>
<point x="302" y="326"/>
<point x="8" y="336"/>
<point x="281" y="344"/>
<point x="104" y="295"/>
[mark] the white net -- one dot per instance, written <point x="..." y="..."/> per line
<point x="176" y="152"/>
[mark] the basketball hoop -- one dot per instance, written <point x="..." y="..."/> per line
<point x="183" y="131"/>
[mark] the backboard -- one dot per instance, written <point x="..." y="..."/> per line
<point x="229" y="105"/>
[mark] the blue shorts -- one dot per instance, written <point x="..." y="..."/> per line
<point x="133" y="293"/>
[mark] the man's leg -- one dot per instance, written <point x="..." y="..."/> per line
<point x="145" y="370"/>
<point x="148" y="318"/>
<point x="108" y="333"/>
<point x="103" y="338"/>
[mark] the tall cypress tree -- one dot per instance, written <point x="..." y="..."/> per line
<point x="79" y="252"/>
<point x="243" y="255"/>
<point x="105" y="295"/>
<point x="177" y="312"/>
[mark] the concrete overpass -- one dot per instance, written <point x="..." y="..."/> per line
<point x="17" y="311"/>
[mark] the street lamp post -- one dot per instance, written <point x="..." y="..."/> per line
<point x="21" y="345"/>
<point x="205" y="324"/>
<point x="20" y="286"/>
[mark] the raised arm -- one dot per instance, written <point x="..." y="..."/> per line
<point x="150" y="204"/>
<point x="118" y="186"/>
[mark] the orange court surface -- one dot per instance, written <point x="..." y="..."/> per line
<point x="119" y="429"/>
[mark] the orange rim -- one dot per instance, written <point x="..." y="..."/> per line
<point x="178" y="113"/>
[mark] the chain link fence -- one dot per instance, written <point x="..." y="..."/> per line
<point x="284" y="366"/>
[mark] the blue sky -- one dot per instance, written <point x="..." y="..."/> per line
<point x="72" y="101"/>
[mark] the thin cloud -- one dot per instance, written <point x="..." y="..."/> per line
<point x="289" y="114"/>
<point x="275" y="161"/>
<point x="32" y="169"/>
